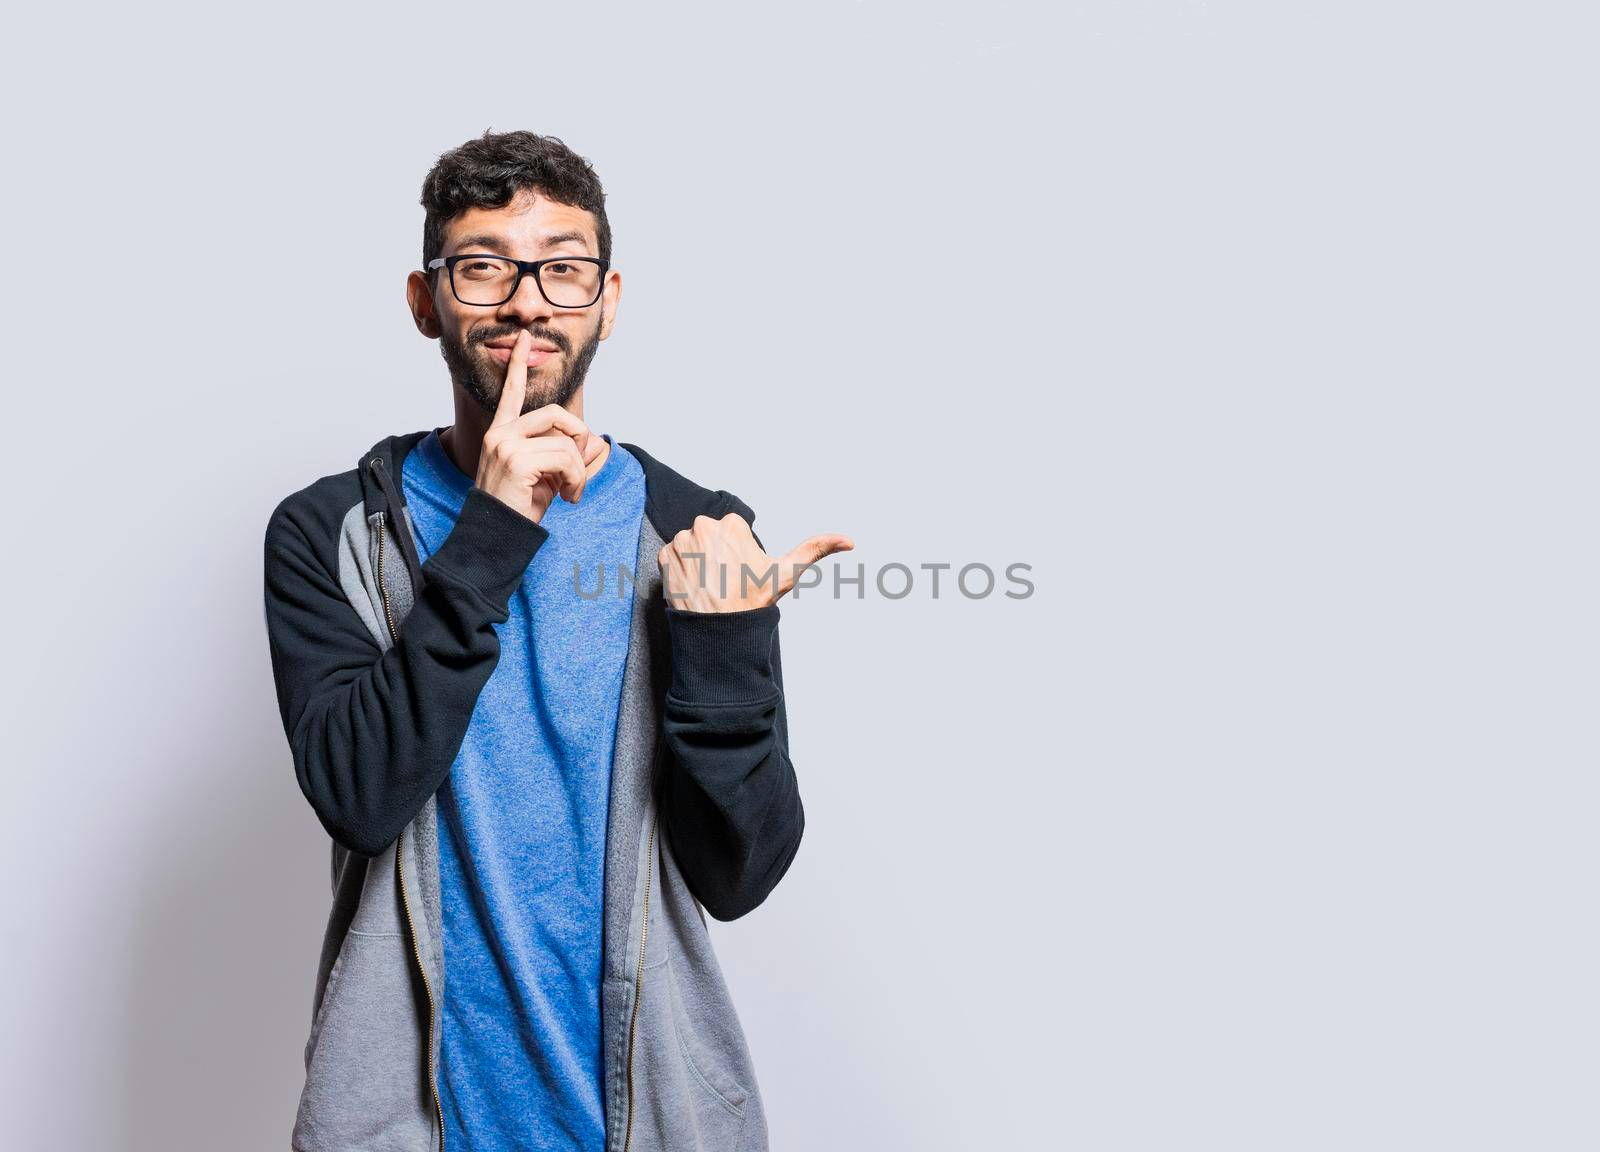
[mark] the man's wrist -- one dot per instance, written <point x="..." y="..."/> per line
<point x="490" y="546"/>
<point x="722" y="657"/>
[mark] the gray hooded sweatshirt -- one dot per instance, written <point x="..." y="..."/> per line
<point x="378" y="661"/>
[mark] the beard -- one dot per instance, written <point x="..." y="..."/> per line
<point x="476" y="372"/>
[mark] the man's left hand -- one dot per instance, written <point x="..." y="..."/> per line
<point x="717" y="565"/>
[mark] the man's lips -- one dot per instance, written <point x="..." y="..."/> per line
<point x="536" y="355"/>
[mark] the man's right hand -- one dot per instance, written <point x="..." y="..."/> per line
<point x="527" y="458"/>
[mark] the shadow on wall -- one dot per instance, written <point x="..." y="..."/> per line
<point x="233" y="898"/>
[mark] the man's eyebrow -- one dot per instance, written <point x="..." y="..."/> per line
<point x="498" y="244"/>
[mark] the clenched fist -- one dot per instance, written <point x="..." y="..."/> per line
<point x="717" y="565"/>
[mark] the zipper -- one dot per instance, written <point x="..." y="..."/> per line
<point x="400" y="872"/>
<point x="433" y="1083"/>
<point x="638" y="979"/>
<point x="383" y="589"/>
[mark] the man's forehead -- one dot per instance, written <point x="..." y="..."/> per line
<point x="533" y="223"/>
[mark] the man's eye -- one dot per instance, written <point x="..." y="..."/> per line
<point x="560" y="269"/>
<point x="481" y="269"/>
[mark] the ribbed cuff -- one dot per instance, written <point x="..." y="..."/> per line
<point x="722" y="657"/>
<point x="490" y="546"/>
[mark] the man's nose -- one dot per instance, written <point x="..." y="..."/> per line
<point x="526" y="305"/>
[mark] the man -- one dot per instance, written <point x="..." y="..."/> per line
<point x="534" y="781"/>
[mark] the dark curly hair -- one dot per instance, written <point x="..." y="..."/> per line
<point x="490" y="171"/>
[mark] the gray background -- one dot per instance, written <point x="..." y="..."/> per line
<point x="1264" y="333"/>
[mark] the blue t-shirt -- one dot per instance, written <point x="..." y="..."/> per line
<point x="522" y="822"/>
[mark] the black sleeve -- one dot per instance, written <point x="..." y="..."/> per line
<point x="374" y="732"/>
<point x="730" y="800"/>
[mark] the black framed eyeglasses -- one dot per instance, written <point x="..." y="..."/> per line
<point x="486" y="281"/>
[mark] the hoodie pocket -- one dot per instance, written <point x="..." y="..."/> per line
<point x="685" y="1099"/>
<point x="365" y="1085"/>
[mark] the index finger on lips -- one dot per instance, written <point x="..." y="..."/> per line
<point x="515" y="389"/>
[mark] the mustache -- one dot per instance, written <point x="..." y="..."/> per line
<point x="483" y="337"/>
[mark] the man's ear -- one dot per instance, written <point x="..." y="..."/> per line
<point x="610" y="295"/>
<point x="419" y="298"/>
